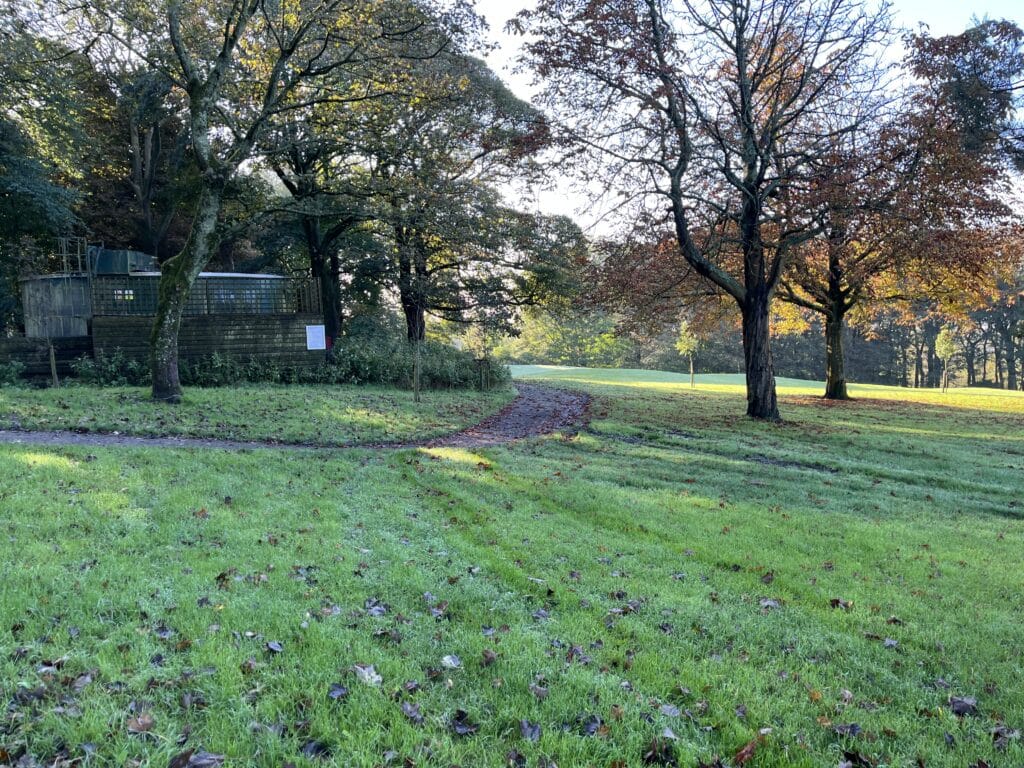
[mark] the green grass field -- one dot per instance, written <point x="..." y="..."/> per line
<point x="322" y="415"/>
<point x="674" y="583"/>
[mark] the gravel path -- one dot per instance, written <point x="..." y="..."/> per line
<point x="535" y="411"/>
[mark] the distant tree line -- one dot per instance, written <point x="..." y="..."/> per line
<point x="896" y="347"/>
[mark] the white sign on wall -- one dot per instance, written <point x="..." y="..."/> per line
<point x="315" y="337"/>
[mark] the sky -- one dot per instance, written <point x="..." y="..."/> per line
<point x="943" y="17"/>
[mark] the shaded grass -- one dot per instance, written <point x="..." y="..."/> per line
<point x="322" y="414"/>
<point x="622" y="569"/>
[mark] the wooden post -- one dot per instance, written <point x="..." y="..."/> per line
<point x="416" y="372"/>
<point x="53" y="365"/>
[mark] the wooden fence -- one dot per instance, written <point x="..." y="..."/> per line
<point x="279" y="339"/>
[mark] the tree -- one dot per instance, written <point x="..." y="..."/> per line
<point x="715" y="109"/>
<point x="157" y="143"/>
<point x="565" y="334"/>
<point x="32" y="208"/>
<point x="459" y="251"/>
<point x="686" y="345"/>
<point x="241" y="65"/>
<point x="907" y="214"/>
<point x="945" y="349"/>
<point x="979" y="75"/>
<point x="326" y="211"/>
<point x="31" y="202"/>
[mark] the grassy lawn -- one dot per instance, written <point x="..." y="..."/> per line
<point x="324" y="415"/>
<point x="660" y="589"/>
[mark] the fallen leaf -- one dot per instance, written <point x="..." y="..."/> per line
<point x="142" y="723"/>
<point x="205" y="760"/>
<point x="660" y="752"/>
<point x="530" y="731"/>
<point x="461" y="724"/>
<point x="337" y="691"/>
<point x="746" y="752"/>
<point x="962" y="706"/>
<point x="316" y="750"/>
<point x="1002" y="736"/>
<point x="367" y="674"/>
<point x="412" y="711"/>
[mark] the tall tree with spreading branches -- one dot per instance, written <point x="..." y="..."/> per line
<point x="711" y="115"/>
<point x="242" y="65"/>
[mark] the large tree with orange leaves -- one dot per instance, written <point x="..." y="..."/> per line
<point x="916" y="204"/>
<point x="710" y="114"/>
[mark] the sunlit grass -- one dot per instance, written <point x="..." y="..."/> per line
<point x="730" y="384"/>
<point x="325" y="415"/>
<point x="674" y="565"/>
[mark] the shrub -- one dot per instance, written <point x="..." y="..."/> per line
<point x="356" y="360"/>
<point x="111" y="370"/>
<point x="10" y="372"/>
<point x="390" y="361"/>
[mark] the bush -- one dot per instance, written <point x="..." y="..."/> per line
<point x="10" y="372"/>
<point x="361" y="360"/>
<point x="113" y="370"/>
<point x="389" y="361"/>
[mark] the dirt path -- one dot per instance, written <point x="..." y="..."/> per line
<point x="535" y="411"/>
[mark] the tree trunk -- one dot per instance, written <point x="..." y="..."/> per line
<point x="835" y="373"/>
<point x="412" y="285"/>
<point x="1010" y="350"/>
<point x="757" y="353"/>
<point x="931" y="334"/>
<point x="417" y="369"/>
<point x="970" y="352"/>
<point x="325" y="269"/>
<point x="693" y="383"/>
<point x="918" y="363"/>
<point x="903" y="378"/>
<point x="411" y="301"/>
<point x="177" y="277"/>
<point x="997" y="361"/>
<point x="415" y="322"/>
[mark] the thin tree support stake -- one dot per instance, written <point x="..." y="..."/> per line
<point x="416" y="372"/>
<point x="53" y="366"/>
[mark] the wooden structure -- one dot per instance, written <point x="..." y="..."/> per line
<point x="109" y="305"/>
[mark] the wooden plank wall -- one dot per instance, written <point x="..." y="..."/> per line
<point x="279" y="339"/>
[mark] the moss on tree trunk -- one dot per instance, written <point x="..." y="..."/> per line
<point x="177" y="277"/>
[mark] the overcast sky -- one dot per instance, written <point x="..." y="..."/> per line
<point x="943" y="17"/>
